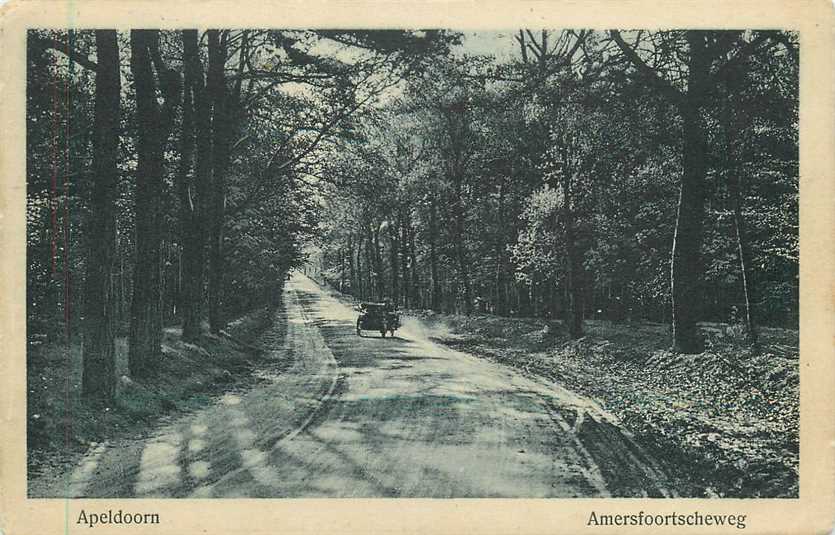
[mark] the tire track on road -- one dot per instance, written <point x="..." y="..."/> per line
<point x="315" y="336"/>
<point x="305" y="341"/>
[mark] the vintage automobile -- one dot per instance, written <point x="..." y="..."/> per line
<point x="377" y="317"/>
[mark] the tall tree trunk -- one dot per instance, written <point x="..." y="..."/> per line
<point x="351" y="272"/>
<point x="363" y="268"/>
<point x="358" y="270"/>
<point x="414" y="284"/>
<point x="743" y="254"/>
<point x="433" y="256"/>
<point x="404" y="259"/>
<point x="734" y="181"/>
<point x="553" y="297"/>
<point x="573" y="275"/>
<point x="342" y="269"/>
<point x="461" y="252"/>
<point x="98" y="379"/>
<point x="395" y="264"/>
<point x="153" y="128"/>
<point x="369" y="265"/>
<point x="170" y="295"/>
<point x="194" y="192"/>
<point x="378" y="262"/>
<point x="686" y="270"/>
<point x="500" y="298"/>
<point x="221" y="132"/>
<point x="500" y="287"/>
<point x="686" y="265"/>
<point x="458" y="130"/>
<point x="192" y="237"/>
<point x="524" y="298"/>
<point x="533" y="296"/>
<point x="122" y="292"/>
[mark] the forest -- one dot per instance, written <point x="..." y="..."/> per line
<point x="618" y="176"/>
<point x="174" y="178"/>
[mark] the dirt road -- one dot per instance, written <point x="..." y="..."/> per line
<point x="336" y="415"/>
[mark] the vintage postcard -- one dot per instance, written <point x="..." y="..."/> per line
<point x="441" y="267"/>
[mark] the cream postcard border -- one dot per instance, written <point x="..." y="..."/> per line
<point x="813" y="512"/>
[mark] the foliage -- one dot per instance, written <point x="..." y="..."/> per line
<point x="473" y="157"/>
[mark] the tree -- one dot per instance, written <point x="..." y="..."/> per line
<point x="99" y="351"/>
<point x="755" y="128"/>
<point x="154" y="124"/>
<point x="193" y="187"/>
<point x="700" y="49"/>
<point x="221" y="130"/>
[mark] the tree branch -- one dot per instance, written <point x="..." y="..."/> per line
<point x="536" y="46"/>
<point x="523" y="47"/>
<point x="651" y="74"/>
<point x="579" y="41"/>
<point x="741" y="55"/>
